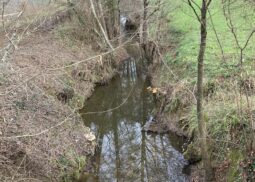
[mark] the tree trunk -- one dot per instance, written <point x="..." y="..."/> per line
<point x="100" y="25"/>
<point x="102" y="16"/>
<point x="144" y="24"/>
<point x="200" y="114"/>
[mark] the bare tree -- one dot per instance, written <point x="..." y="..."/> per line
<point x="202" y="18"/>
<point x="227" y="13"/>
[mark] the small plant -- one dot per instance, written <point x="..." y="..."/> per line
<point x="72" y="166"/>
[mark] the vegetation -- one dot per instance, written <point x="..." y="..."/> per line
<point x="41" y="134"/>
<point x="229" y="74"/>
<point x="53" y="54"/>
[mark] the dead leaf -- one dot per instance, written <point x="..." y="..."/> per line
<point x="90" y="136"/>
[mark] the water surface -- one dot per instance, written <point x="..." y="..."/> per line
<point x="125" y="153"/>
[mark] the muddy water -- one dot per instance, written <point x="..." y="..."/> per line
<point x="125" y="153"/>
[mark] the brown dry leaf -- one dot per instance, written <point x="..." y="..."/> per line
<point x="155" y="90"/>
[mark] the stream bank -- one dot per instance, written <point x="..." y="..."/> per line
<point x="229" y="132"/>
<point x="174" y="99"/>
<point x="42" y="85"/>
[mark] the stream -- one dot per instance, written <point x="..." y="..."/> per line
<point x="125" y="152"/>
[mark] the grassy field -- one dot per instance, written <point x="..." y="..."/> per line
<point x="184" y="22"/>
<point x="228" y="105"/>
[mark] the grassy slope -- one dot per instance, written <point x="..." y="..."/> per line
<point x="184" y="21"/>
<point x="226" y="110"/>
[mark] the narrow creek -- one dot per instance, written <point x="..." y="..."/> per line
<point x="116" y="113"/>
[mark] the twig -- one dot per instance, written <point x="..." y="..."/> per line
<point x="39" y="133"/>
<point x="194" y="10"/>
<point x="217" y="37"/>
<point x="100" y="25"/>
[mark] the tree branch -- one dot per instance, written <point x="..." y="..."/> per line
<point x="194" y="10"/>
<point x="208" y="3"/>
<point x="249" y="38"/>
<point x="217" y="37"/>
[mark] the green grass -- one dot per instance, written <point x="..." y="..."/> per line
<point x="183" y="21"/>
<point x="227" y="114"/>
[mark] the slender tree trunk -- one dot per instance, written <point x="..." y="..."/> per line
<point x="200" y="113"/>
<point x="102" y="16"/>
<point x="100" y="25"/>
<point x="117" y="18"/>
<point x="144" y="24"/>
<point x="160" y="13"/>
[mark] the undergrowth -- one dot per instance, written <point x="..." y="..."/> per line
<point x="228" y="89"/>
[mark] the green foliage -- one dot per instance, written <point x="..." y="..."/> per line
<point x="221" y="119"/>
<point x="227" y="114"/>
<point x="71" y="161"/>
<point x="221" y="116"/>
<point x="235" y="157"/>
<point x="192" y="122"/>
<point x="192" y="154"/>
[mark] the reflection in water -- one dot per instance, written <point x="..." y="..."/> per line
<point x="125" y="152"/>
